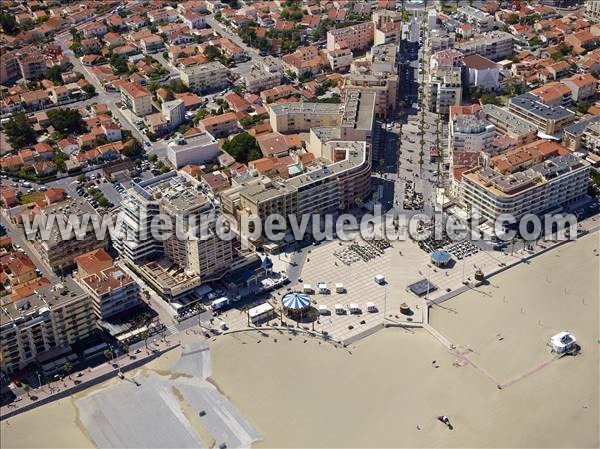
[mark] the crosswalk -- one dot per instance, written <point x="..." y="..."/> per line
<point x="171" y="329"/>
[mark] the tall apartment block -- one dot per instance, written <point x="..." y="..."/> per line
<point x="41" y="327"/>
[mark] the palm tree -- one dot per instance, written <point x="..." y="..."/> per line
<point x="67" y="368"/>
<point x="108" y="354"/>
<point x="146" y="334"/>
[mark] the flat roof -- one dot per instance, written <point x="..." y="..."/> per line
<point x="531" y="104"/>
<point x="306" y="107"/>
<point x="47" y="296"/>
<point x="514" y="123"/>
<point x="580" y="126"/>
<point x="359" y="108"/>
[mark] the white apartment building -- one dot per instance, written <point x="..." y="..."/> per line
<point x="112" y="291"/>
<point x="482" y="21"/>
<point x="339" y="59"/>
<point x="591" y="138"/>
<point x="174" y="112"/>
<point x="592" y="9"/>
<point x="444" y="89"/>
<point x="205" y="77"/>
<point x="301" y="116"/>
<point x="440" y="39"/>
<point x="55" y="316"/>
<point x="554" y="182"/>
<point x="470" y="133"/>
<point x="138" y="207"/>
<point x="258" y="79"/>
<point x="495" y="45"/>
<point x="354" y="37"/>
<point x="193" y="249"/>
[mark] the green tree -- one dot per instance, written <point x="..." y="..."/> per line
<point x="535" y="41"/>
<point x="67" y="368"/>
<point x="177" y="86"/>
<point x="20" y="132"/>
<point x="490" y="98"/>
<point x="211" y="52"/>
<point x="66" y="121"/>
<point x="60" y="160"/>
<point x="55" y="72"/>
<point x="243" y="147"/>
<point x="89" y="89"/>
<point x="119" y="64"/>
<point x="202" y="113"/>
<point x="9" y="23"/>
<point x="133" y="149"/>
<point x="583" y="107"/>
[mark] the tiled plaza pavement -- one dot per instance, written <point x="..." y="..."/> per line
<point x="401" y="264"/>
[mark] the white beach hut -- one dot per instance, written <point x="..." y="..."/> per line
<point x="339" y="288"/>
<point x="322" y="287"/>
<point x="307" y="288"/>
<point x="563" y="342"/>
<point x="380" y="279"/>
<point x="323" y="309"/>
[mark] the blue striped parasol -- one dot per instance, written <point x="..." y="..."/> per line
<point x="296" y="301"/>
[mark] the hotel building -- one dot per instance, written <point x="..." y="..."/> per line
<point x="554" y="182"/>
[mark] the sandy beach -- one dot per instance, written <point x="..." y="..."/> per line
<point x="56" y="425"/>
<point x="376" y="393"/>
<point x="385" y="390"/>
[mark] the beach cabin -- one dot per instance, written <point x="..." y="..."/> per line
<point x="354" y="309"/>
<point x="339" y="309"/>
<point x="371" y="307"/>
<point x="220" y="303"/>
<point x="322" y="288"/>
<point x="380" y="279"/>
<point x="323" y="310"/>
<point x="339" y="288"/>
<point x="307" y="288"/>
<point x="261" y="313"/>
<point x="563" y="342"/>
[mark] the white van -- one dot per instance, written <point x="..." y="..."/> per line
<point x="219" y="303"/>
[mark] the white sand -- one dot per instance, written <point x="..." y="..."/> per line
<point x="51" y="426"/>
